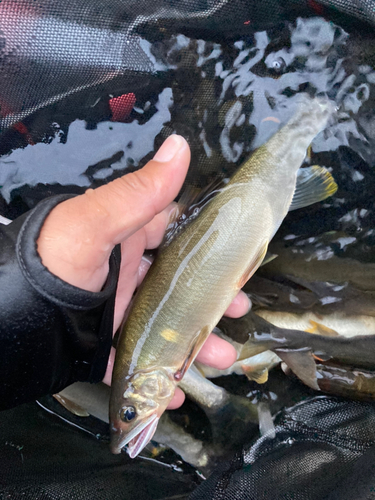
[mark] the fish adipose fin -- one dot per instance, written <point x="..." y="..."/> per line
<point x="313" y="184"/>
<point x="71" y="406"/>
<point x="302" y="364"/>
<point x="190" y="204"/>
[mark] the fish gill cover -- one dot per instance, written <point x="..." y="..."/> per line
<point x="89" y="90"/>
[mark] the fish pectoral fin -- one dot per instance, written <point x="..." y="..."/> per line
<point x="252" y="348"/>
<point x="302" y="364"/>
<point x="71" y="406"/>
<point x="320" y="329"/>
<point x="196" y="347"/>
<point x="313" y="184"/>
<point x="254" y="264"/>
<point x="269" y="257"/>
<point x="189" y="206"/>
<point x="260" y="375"/>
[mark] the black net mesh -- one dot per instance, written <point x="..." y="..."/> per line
<point x="43" y="458"/>
<point x="86" y="93"/>
<point x="317" y="444"/>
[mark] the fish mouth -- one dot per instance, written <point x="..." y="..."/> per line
<point x="138" y="437"/>
<point x="137" y="444"/>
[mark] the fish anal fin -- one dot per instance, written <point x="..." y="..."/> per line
<point x="196" y="347"/>
<point x="302" y="364"/>
<point x="313" y="184"/>
<point x="320" y="329"/>
<point x="253" y="266"/>
<point x="71" y="406"/>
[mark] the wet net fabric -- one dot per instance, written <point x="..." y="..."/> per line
<point x="324" y="449"/>
<point x="51" y="50"/>
<point x="75" y="66"/>
<point x="318" y="448"/>
<point x="43" y="458"/>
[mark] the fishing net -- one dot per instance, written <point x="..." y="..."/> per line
<point x="88" y="91"/>
<point x="321" y="446"/>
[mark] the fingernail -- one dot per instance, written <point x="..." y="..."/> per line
<point x="169" y="148"/>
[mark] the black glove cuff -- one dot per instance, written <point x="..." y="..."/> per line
<point x="51" y="333"/>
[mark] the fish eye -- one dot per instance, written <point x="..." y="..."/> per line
<point x="278" y="64"/>
<point x="127" y="413"/>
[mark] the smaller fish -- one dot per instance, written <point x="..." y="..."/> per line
<point x="231" y="417"/>
<point x="347" y="382"/>
<point x="255" y="368"/>
<point x="344" y="381"/>
<point x="339" y="322"/>
<point x="84" y="399"/>
<point x="308" y="275"/>
<point x="300" y="349"/>
<point x="316" y="261"/>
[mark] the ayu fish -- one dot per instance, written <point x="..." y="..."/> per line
<point x="200" y="270"/>
<point x="301" y="349"/>
<point x="347" y="382"/>
<point x="84" y="399"/>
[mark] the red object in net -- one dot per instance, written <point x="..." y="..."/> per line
<point x="121" y="106"/>
<point x="317" y="7"/>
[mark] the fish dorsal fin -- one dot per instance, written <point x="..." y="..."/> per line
<point x="190" y="204"/>
<point x="320" y="329"/>
<point x="302" y="364"/>
<point x="313" y="184"/>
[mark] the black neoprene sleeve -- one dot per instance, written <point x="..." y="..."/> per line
<point x="51" y="333"/>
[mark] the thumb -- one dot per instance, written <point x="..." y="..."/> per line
<point x="79" y="234"/>
<point x="130" y="202"/>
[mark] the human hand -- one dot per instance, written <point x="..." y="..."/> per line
<point x="79" y="235"/>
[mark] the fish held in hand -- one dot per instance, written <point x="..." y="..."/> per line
<point x="198" y="273"/>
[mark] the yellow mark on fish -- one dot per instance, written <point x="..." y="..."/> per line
<point x="170" y="335"/>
